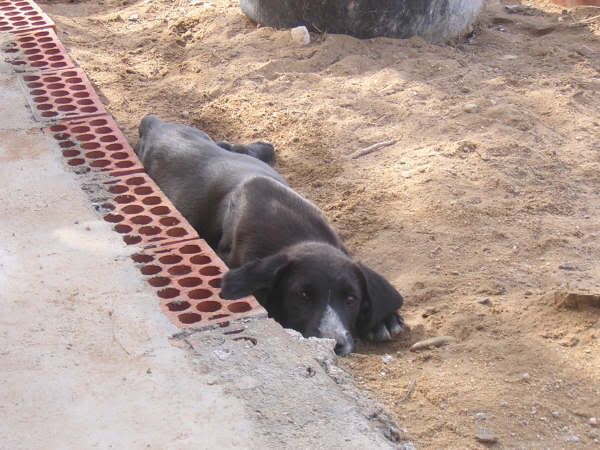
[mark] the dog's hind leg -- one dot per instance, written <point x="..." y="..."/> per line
<point x="259" y="150"/>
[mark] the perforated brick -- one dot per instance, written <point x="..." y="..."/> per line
<point x="64" y="94"/>
<point x="37" y="51"/>
<point x="142" y="214"/>
<point x="22" y="15"/>
<point x="96" y="143"/>
<point x="187" y="278"/>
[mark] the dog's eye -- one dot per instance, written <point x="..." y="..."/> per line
<point x="350" y="299"/>
<point x="305" y="296"/>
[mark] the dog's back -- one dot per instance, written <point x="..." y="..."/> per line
<point x="195" y="173"/>
<point x="264" y="216"/>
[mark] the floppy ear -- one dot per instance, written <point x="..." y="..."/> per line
<point x="380" y="299"/>
<point x="252" y="277"/>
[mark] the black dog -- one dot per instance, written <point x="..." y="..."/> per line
<point x="279" y="245"/>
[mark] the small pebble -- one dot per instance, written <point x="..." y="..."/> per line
<point x="387" y="359"/>
<point x="486" y="436"/>
<point x="594" y="422"/>
<point x="481" y="416"/>
<point x="429" y="312"/>
<point x="569" y="342"/>
<point x="525" y="377"/>
<point x="484" y="301"/>
<point x="222" y="354"/>
<point x="470" y="108"/>
<point x="514" y="9"/>
<point x="134" y="17"/>
<point x="571" y="438"/>
<point x="300" y="35"/>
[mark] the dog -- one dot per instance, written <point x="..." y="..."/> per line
<point x="279" y="245"/>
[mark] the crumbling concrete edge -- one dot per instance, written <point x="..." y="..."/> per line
<point x="285" y="360"/>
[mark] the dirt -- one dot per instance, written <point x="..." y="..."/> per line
<point x="485" y="213"/>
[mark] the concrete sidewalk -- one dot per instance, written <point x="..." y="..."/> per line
<point x="87" y="360"/>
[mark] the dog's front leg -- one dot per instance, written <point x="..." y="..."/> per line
<point x="387" y="329"/>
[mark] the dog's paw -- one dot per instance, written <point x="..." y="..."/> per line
<point x="392" y="326"/>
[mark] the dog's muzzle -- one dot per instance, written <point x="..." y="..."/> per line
<point x="331" y="327"/>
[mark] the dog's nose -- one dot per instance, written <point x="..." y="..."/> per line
<point x="343" y="349"/>
<point x="332" y="327"/>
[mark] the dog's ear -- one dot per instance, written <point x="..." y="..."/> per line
<point x="253" y="277"/>
<point x="380" y="299"/>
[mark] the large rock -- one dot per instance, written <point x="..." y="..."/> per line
<point x="435" y="20"/>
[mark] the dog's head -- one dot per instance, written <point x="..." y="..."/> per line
<point x="317" y="290"/>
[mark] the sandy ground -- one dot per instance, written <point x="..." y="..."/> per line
<point x="485" y="208"/>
